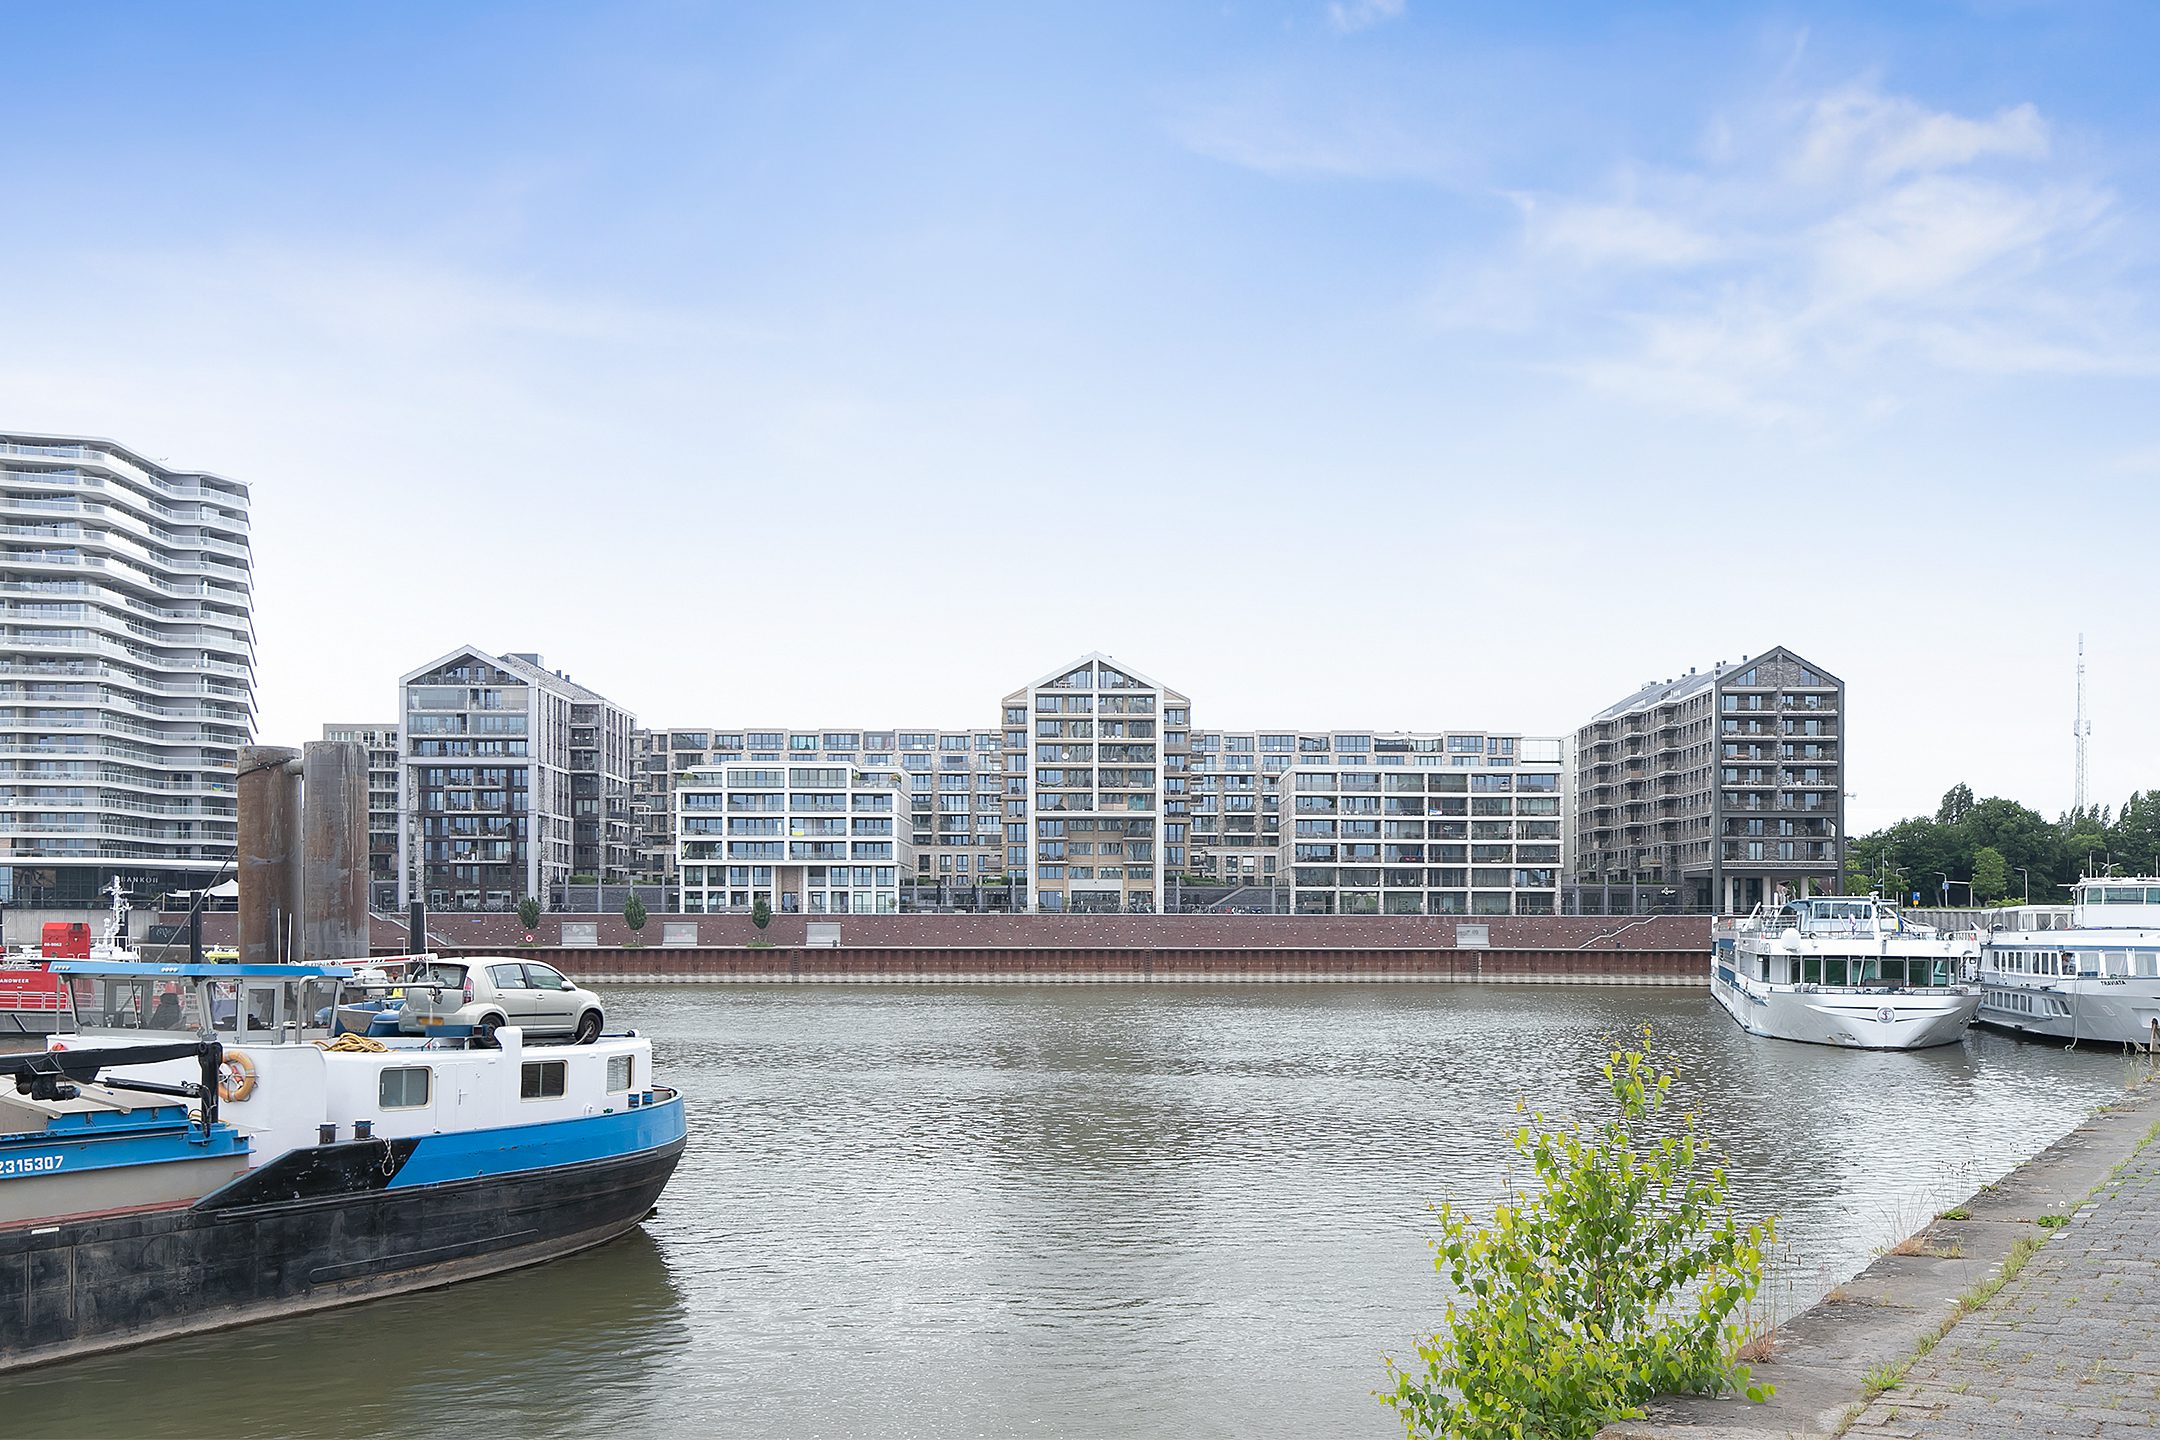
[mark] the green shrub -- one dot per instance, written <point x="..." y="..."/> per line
<point x="529" y="912"/>
<point x="1621" y="1273"/>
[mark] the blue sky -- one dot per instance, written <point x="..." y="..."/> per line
<point x="1363" y="363"/>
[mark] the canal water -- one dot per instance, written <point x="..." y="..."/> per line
<point x="1104" y="1211"/>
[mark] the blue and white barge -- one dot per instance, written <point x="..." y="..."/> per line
<point x="200" y="1150"/>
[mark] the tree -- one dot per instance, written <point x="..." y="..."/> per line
<point x="1621" y="1274"/>
<point x="1990" y="875"/>
<point x="633" y="915"/>
<point x="1957" y="803"/>
<point x="760" y="913"/>
<point x="529" y="912"/>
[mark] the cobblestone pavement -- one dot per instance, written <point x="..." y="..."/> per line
<point x="2070" y="1347"/>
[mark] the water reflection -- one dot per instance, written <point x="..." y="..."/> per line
<point x="1066" y="1210"/>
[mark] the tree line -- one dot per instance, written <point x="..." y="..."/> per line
<point x="1996" y="851"/>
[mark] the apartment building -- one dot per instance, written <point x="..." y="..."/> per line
<point x="127" y="669"/>
<point x="515" y="779"/>
<point x="1096" y="793"/>
<point x="1222" y="824"/>
<point x="1093" y="746"/>
<point x="1453" y="823"/>
<point x="809" y="838"/>
<point x="1716" y="790"/>
<point x="382" y="795"/>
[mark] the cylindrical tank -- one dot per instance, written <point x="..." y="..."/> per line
<point x="269" y="871"/>
<point x="334" y="854"/>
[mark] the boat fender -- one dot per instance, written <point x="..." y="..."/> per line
<point x="236" y="1077"/>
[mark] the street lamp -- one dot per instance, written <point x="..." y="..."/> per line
<point x="2028" y="882"/>
<point x="1944" y="890"/>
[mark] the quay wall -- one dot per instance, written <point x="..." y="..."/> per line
<point x="912" y="948"/>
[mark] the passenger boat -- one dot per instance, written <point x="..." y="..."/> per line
<point x="1844" y="970"/>
<point x="2089" y="970"/>
<point x="203" y="1151"/>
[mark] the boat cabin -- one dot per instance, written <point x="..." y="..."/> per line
<point x="2117" y="904"/>
<point x="1819" y="916"/>
<point x="240" y="1004"/>
<point x="1859" y="972"/>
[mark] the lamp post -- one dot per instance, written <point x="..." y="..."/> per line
<point x="1944" y="889"/>
<point x="2028" y="882"/>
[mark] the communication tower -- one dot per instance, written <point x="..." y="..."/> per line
<point x="2082" y="729"/>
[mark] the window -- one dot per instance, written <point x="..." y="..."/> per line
<point x="405" y="1087"/>
<point x="619" y="1074"/>
<point x="508" y="977"/>
<point x="542" y="1080"/>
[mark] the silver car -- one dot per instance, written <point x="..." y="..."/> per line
<point x="490" y="991"/>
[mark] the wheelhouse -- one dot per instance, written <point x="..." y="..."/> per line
<point x="263" y="1004"/>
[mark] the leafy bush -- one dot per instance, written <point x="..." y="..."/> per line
<point x="760" y="913"/>
<point x="1621" y="1274"/>
<point x="529" y="912"/>
<point x="633" y="915"/>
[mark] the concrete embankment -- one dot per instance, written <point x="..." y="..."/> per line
<point x="1072" y="949"/>
<point x="1939" y="1288"/>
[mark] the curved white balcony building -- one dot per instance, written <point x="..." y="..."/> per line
<point x="127" y="668"/>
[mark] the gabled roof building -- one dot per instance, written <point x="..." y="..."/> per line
<point x="1716" y="790"/>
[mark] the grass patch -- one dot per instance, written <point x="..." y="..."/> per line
<point x="1882" y="1378"/>
<point x="2052" y="1222"/>
<point x="1956" y="1212"/>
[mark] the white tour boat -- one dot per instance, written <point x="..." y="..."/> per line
<point x="2089" y="970"/>
<point x="1845" y="970"/>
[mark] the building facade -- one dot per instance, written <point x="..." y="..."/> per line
<point x="1096" y="794"/>
<point x="1715" y="791"/>
<point x="127" y="670"/>
<point x="810" y="838"/>
<point x="382" y="796"/>
<point x="1453" y="823"/>
<point x="1091" y="747"/>
<point x="515" y="780"/>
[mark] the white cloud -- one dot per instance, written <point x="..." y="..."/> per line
<point x="1858" y="131"/>
<point x="1595" y="234"/>
<point x="1835" y="250"/>
<point x="1350" y="16"/>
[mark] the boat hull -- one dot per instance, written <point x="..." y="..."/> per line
<point x="337" y="1235"/>
<point x="1850" y="1019"/>
<point x="2086" y="1010"/>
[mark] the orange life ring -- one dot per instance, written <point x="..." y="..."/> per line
<point x="236" y="1077"/>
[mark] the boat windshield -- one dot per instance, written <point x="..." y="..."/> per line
<point x="133" y="1002"/>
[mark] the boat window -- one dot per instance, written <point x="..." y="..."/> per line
<point x="619" y="1074"/>
<point x="2152" y="895"/>
<point x="508" y="977"/>
<point x="261" y="1007"/>
<point x="404" y="1087"/>
<point x="1811" y="970"/>
<point x="223" y="997"/>
<point x="1834" y="970"/>
<point x="542" y="1080"/>
<point x="2147" y="963"/>
<point x="2116" y="962"/>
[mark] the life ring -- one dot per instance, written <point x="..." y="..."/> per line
<point x="236" y="1077"/>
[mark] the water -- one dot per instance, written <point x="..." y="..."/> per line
<point x="1076" y="1211"/>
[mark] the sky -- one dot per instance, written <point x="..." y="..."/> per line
<point x="1379" y="363"/>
